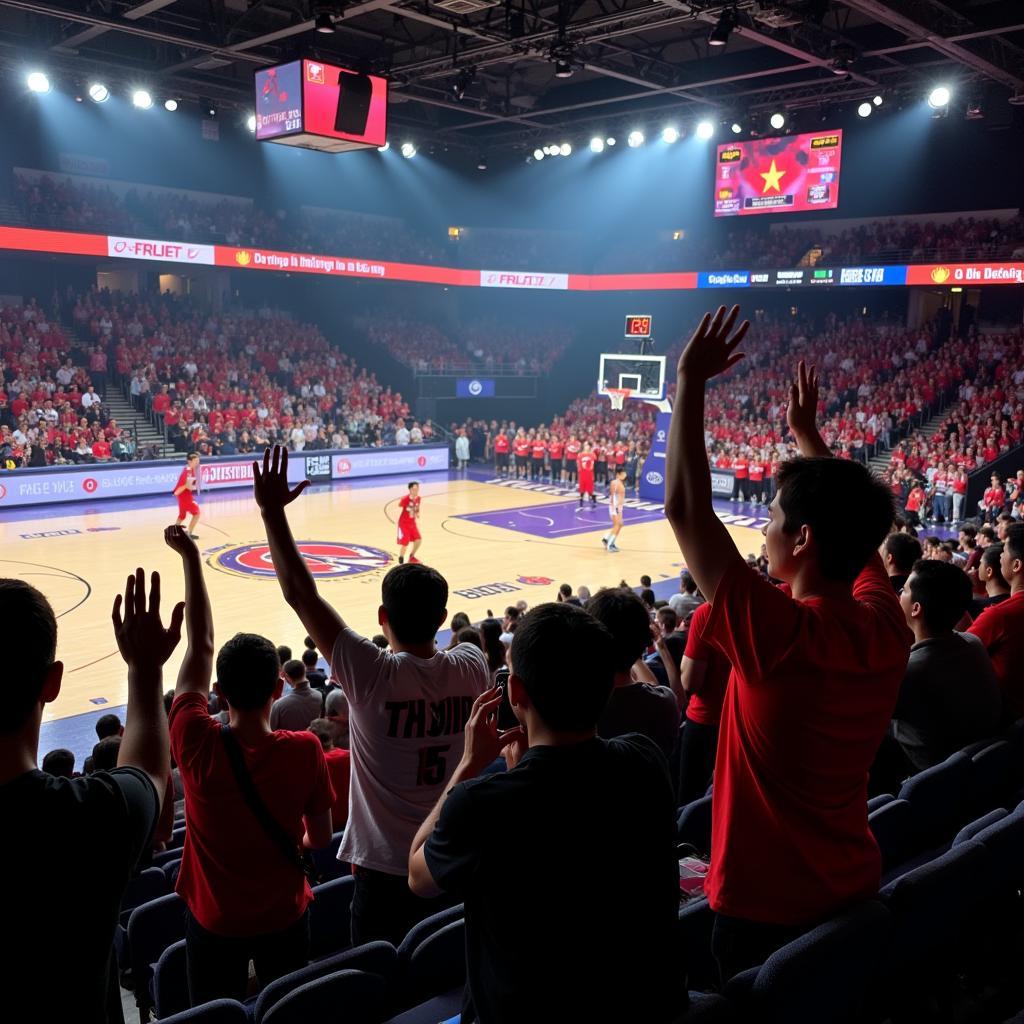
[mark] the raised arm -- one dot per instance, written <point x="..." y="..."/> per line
<point x="197" y="666"/>
<point x="802" y="412"/>
<point x="273" y="494"/>
<point x="145" y="646"/>
<point x="707" y="548"/>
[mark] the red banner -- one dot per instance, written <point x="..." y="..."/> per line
<point x="67" y="242"/>
<point x="965" y="273"/>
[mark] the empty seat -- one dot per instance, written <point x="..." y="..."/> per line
<point x="326" y="860"/>
<point x="436" y="966"/>
<point x="354" y="997"/>
<point x="219" y="1011"/>
<point x="330" y="917"/>
<point x="151" y="929"/>
<point x="693" y="826"/>
<point x="894" y="828"/>
<point x="420" y="931"/>
<point x="971" y="830"/>
<point x="170" y="981"/>
<point x="148" y="885"/>
<point x="878" y="801"/>
<point x="696" y="920"/>
<point x="992" y="782"/>
<point x="939" y="796"/>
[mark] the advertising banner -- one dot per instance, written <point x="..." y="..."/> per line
<point x="164" y="252"/>
<point x="517" y="279"/>
<point x="474" y="388"/>
<point x="965" y="273"/>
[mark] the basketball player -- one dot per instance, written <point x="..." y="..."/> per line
<point x="185" y="491"/>
<point x="408" y="528"/>
<point x="616" y="497"/>
<point x="586" y="474"/>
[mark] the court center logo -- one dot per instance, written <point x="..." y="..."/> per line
<point x="327" y="560"/>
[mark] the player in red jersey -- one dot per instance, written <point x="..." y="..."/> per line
<point x="408" y="527"/>
<point x="538" y="449"/>
<point x="586" y="471"/>
<point x="185" y="491"/>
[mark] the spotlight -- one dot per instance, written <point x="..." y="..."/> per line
<point x="635" y="139"/>
<point x="142" y="99"/>
<point x="865" y="109"/>
<point x="777" y="120"/>
<point x="211" y="111"/>
<point x="481" y="164"/>
<point x="384" y="148"/>
<point x="250" y="122"/>
<point x="877" y="101"/>
<point x="37" y="81"/>
<point x="565" y="149"/>
<point x="563" y="67"/>
<point x="610" y="141"/>
<point x="719" y="35"/>
<point x="670" y="134"/>
<point x="463" y="82"/>
<point x="736" y="128"/>
<point x="538" y="154"/>
<point x="171" y="105"/>
<point x="323" y="23"/>
<point x="98" y="92"/>
<point x="408" y="150"/>
<point x="705" y="130"/>
<point x="939" y="97"/>
<point x="596" y="145"/>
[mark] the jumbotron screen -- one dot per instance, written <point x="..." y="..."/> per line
<point x="792" y="174"/>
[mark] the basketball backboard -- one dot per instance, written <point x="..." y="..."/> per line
<point x="644" y="376"/>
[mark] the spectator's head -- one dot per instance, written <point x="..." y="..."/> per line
<point x="468" y="635"/>
<point x="104" y="754"/>
<point x="645" y="582"/>
<point x="309" y="644"/>
<point x="108" y="725"/>
<point x="562" y="671"/>
<point x="248" y="669"/>
<point x="688" y="583"/>
<point x="1003" y="523"/>
<point x="27" y="615"/>
<point x="583" y="593"/>
<point x="511" y="618"/>
<point x="990" y="570"/>
<point x="336" y="706"/>
<point x="828" y="518"/>
<point x="413" y="599"/>
<point x="901" y="552"/>
<point x="667" y="619"/>
<point x="460" y="620"/>
<point x="192" y="460"/>
<point x="986" y="535"/>
<point x="1012" y="561"/>
<point x="59" y="763"/>
<point x="623" y="614"/>
<point x="380" y="640"/>
<point x="564" y="592"/>
<point x="309" y="659"/>
<point x="284" y="654"/>
<point x="968" y="536"/>
<point x="324" y="732"/>
<point x="490" y="635"/>
<point x="935" y="598"/>
<point x="294" y="671"/>
<point x="647" y="596"/>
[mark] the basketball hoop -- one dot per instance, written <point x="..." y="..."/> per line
<point x="617" y="396"/>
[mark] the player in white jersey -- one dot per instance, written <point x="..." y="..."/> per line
<point x="616" y="498"/>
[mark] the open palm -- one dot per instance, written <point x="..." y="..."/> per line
<point x="712" y="348"/>
<point x="271" y="482"/>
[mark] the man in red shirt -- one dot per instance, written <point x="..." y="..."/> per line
<point x="243" y="883"/>
<point x="1000" y="627"/>
<point x="339" y="768"/>
<point x="408" y="523"/>
<point x="538" y="449"/>
<point x="101" y="450"/>
<point x="740" y="476"/>
<point x="815" y="671"/>
<point x="185" y="491"/>
<point x="993" y="499"/>
<point x="556" y="448"/>
<point x="501" y="447"/>
<point x="586" y="464"/>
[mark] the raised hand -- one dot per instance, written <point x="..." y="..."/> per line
<point x="711" y="350"/>
<point x="802" y="412"/>
<point x="143" y="641"/>
<point x="271" y="483"/>
<point x="178" y="540"/>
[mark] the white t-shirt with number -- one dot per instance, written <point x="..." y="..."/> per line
<point x="407" y="720"/>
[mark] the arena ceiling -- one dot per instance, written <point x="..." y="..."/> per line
<point x="497" y="73"/>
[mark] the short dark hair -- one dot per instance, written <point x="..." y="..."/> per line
<point x="323" y="730"/>
<point x="284" y="653"/>
<point x="623" y="614"/>
<point x="412" y="484"/>
<point x="414" y="596"/>
<point x="191" y="456"/>
<point x="104" y="754"/>
<point x="310" y="658"/>
<point x="988" y="532"/>
<point x="460" y="620"/>
<point x="990" y="558"/>
<point x="1014" y="542"/>
<point x="969" y="530"/>
<point x="513" y="613"/>
<point x="645" y="581"/>
<point x="905" y="550"/>
<point x="309" y="643"/>
<point x="247" y="671"/>
<point x="668" y="617"/>
<point x="380" y="640"/>
<point x="689" y="584"/>
<point x="29" y="620"/>
<point x="168" y="701"/>
<point x="469" y="635"/>
<point x="564" y="658"/>
<point x="294" y="670"/>
<point x="848" y="509"/>
<point x="108" y="725"/>
<point x="565" y="590"/>
<point x="59" y="763"/>
<point x="943" y="590"/>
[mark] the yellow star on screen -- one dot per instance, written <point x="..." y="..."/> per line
<point x="772" y="177"/>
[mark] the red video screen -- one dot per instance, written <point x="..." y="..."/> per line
<point x="792" y="174"/>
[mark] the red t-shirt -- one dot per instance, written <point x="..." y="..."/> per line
<point x="572" y="452"/>
<point x="339" y="768"/>
<point x="501" y="444"/>
<point x="810" y="696"/>
<point x="586" y="464"/>
<point x="555" y="449"/>
<point x="1000" y="627"/>
<point x="994" y="497"/>
<point x="410" y="507"/>
<point x="705" y="707"/>
<point x="522" y="447"/>
<point x="740" y="468"/>
<point x="234" y="878"/>
<point x="185" y="476"/>
<point x="538" y="449"/>
<point x="756" y="472"/>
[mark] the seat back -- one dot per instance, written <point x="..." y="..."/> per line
<point x="693" y="825"/>
<point x="326" y="860"/>
<point x="894" y="828"/>
<point x="437" y="965"/>
<point x="378" y="958"/>
<point x="330" y="917"/>
<point x="350" y="996"/>
<point x="992" y="776"/>
<point x="151" y="929"/>
<point x="971" y="830"/>
<point x="170" y="981"/>
<point x="148" y="885"/>
<point x="939" y="797"/>
<point x="220" y="1011"/>
<point x="422" y="930"/>
<point x="1004" y="841"/>
<point x="1015" y="737"/>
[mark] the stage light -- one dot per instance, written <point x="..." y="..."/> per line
<point x="565" y="149"/>
<point x="563" y="68"/>
<point x="877" y="101"/>
<point x="250" y="122"/>
<point x="323" y="23"/>
<point x="171" y="105"/>
<point x="211" y="111"/>
<point x="408" y="150"/>
<point x="384" y="148"/>
<point x="635" y="139"/>
<point x="670" y="134"/>
<point x="705" y="130"/>
<point x="719" y="35"/>
<point x="37" y="81"/>
<point x="596" y="145"/>
<point x="610" y="141"/>
<point x="865" y="109"/>
<point x="939" y="97"/>
<point x="777" y="120"/>
<point x="736" y="127"/>
<point x="481" y="164"/>
<point x="98" y="92"/>
<point x="142" y="99"/>
<point x="538" y="154"/>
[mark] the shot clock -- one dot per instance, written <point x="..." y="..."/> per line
<point x="639" y="325"/>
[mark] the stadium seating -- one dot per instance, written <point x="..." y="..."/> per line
<point x="359" y="996"/>
<point x="220" y="1011"/>
<point x="330" y="918"/>
<point x="151" y="929"/>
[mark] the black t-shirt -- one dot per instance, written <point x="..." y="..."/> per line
<point x="979" y="604"/>
<point x="650" y="710"/>
<point x="69" y="848"/>
<point x="568" y="870"/>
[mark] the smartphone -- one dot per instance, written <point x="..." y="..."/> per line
<point x="506" y="716"/>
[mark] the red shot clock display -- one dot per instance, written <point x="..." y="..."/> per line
<point x="639" y="325"/>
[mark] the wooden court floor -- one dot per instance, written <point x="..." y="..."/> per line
<point x="495" y="545"/>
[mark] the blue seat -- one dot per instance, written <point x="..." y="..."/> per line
<point x="894" y="828"/>
<point x="1015" y="737"/>
<point x="165" y="857"/>
<point x="971" y="830"/>
<point x="879" y="801"/>
<point x="696" y="920"/>
<point x="354" y="997"/>
<point x="992" y="782"/>
<point x="1004" y="841"/>
<point x="171" y="869"/>
<point x="939" y="797"/>
<point x="151" y="929"/>
<point x="824" y="975"/>
<point x="377" y="958"/>
<point x="422" y="930"/>
<point x="433" y="1011"/>
<point x="693" y="826"/>
<point x="170" y="981"/>
<point x="220" y="1011"/>
<point x="326" y="860"/>
<point x="177" y="840"/>
<point x="330" y="917"/>
<point x="148" y="885"/>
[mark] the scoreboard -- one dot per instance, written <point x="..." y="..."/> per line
<point x="639" y="325"/>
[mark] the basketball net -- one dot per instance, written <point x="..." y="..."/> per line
<point x="617" y="396"/>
